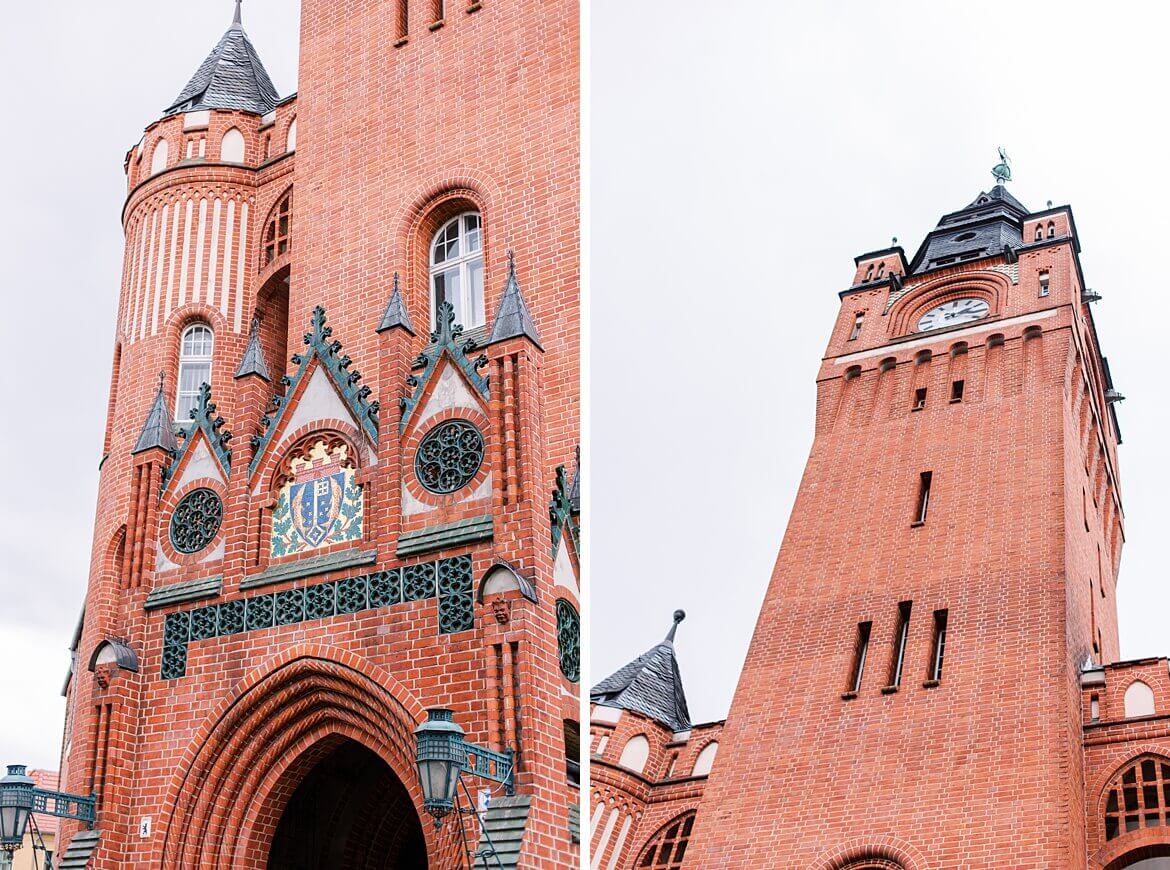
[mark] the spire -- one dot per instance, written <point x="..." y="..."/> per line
<point x="158" y="430"/>
<point x="512" y="317"/>
<point x="396" y="313"/>
<point x="231" y="77"/>
<point x="253" y="362"/>
<point x="650" y="685"/>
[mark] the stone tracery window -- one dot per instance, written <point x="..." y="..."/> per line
<point x="277" y="235"/>
<point x="669" y="846"/>
<point x="1139" y="798"/>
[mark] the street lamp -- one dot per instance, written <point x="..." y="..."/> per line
<point x="16" y="803"/>
<point x="443" y="756"/>
<point x="20" y="798"/>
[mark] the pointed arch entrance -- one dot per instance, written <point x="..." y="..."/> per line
<point x="291" y="733"/>
<point x="351" y="812"/>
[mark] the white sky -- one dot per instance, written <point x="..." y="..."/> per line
<point x="742" y="154"/>
<point x="81" y="81"/>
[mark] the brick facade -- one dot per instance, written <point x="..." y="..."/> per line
<point x="1024" y="751"/>
<point x="255" y="665"/>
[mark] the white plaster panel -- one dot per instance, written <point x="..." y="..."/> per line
<point x="450" y="391"/>
<point x="200" y="463"/>
<point x="319" y="402"/>
<point x="563" y="572"/>
<point x="161" y="562"/>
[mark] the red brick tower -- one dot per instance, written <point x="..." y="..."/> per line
<point x="382" y="310"/>
<point x="911" y="697"/>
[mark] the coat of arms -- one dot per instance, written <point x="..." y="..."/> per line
<point x="321" y="504"/>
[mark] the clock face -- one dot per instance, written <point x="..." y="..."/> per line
<point x="950" y="313"/>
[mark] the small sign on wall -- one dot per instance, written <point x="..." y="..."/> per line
<point x="144" y="827"/>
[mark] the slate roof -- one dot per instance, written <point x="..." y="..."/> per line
<point x="991" y="222"/>
<point x="231" y="77"/>
<point x="650" y="685"/>
<point x="513" y="317"/>
<point x="396" y="313"/>
<point x="80" y="851"/>
<point x="253" y="362"/>
<point x="158" y="430"/>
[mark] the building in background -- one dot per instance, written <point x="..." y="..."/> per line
<point x="344" y="397"/>
<point x="934" y="678"/>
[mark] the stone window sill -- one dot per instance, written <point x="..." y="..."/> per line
<point x="889" y="690"/>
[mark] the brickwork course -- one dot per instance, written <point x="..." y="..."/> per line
<point x="1032" y="746"/>
<point x="281" y="590"/>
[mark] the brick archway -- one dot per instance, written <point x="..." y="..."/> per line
<point x="260" y="744"/>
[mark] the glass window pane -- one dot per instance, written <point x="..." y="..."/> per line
<point x="475" y="291"/>
<point x="192" y="375"/>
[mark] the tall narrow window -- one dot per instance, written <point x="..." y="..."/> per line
<point x="277" y="235"/>
<point x="919" y="399"/>
<point x="860" y="652"/>
<point x="901" y="633"/>
<point x="1094" y="707"/>
<point x="924" y="480"/>
<point x="881" y="270"/>
<point x="1039" y="236"/>
<point x="957" y="391"/>
<point x="457" y="269"/>
<point x="195" y="348"/>
<point x="1051" y="230"/>
<point x="1044" y="283"/>
<point x="869" y="273"/>
<point x="939" y="647"/>
<point x="857" y="321"/>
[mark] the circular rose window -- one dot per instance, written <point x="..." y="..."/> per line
<point x="196" y="520"/>
<point x="449" y="457"/>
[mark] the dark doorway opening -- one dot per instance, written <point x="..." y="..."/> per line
<point x="349" y="813"/>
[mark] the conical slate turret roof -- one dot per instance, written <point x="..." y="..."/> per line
<point x="650" y="685"/>
<point x="513" y="318"/>
<point x="158" y="430"/>
<point x="232" y="77"/>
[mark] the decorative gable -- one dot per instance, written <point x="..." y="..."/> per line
<point x="324" y="377"/>
<point x="438" y="379"/>
<point x="206" y="428"/>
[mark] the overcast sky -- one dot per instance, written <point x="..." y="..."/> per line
<point x="81" y="82"/>
<point x="742" y="154"/>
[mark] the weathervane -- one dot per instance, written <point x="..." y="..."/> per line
<point x="1002" y="171"/>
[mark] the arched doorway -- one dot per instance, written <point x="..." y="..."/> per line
<point x="349" y="812"/>
<point x="1156" y="857"/>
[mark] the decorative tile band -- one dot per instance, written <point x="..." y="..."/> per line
<point x="449" y="580"/>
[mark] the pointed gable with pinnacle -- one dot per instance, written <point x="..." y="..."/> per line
<point x="253" y="362"/>
<point x="158" y="430"/>
<point x="396" y="313"/>
<point x="513" y="318"/>
<point x="445" y="342"/>
<point x="650" y="685"/>
<point x="205" y="422"/>
<point x="231" y="77"/>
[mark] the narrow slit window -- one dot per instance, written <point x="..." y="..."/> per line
<point x="919" y="399"/>
<point x="1051" y="230"/>
<point x="860" y="652"/>
<point x="939" y="647"/>
<point x="924" y="481"/>
<point x="1044" y="283"/>
<point x="901" y="633"/>
<point x="957" y="391"/>
<point x="1094" y="708"/>
<point x="857" y="322"/>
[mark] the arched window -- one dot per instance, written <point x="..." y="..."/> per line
<point x="635" y="754"/>
<point x="1039" y="233"/>
<point x="457" y="269"/>
<point x="231" y="149"/>
<point x="1051" y="230"/>
<point x="158" y="161"/>
<point x="277" y="238"/>
<point x="1139" y="798"/>
<point x="292" y="137"/>
<point x="869" y="273"/>
<point x="195" y="348"/>
<point x="852" y="372"/>
<point x="666" y="850"/>
<point x="881" y="270"/>
<point x="1139" y="700"/>
<point x="705" y="760"/>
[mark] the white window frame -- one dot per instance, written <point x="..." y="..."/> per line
<point x="187" y="358"/>
<point x="471" y="311"/>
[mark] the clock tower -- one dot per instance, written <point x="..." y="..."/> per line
<point x="912" y="697"/>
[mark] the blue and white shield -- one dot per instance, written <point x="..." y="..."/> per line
<point x="316" y="506"/>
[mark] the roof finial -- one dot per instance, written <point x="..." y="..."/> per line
<point x="1002" y="171"/>
<point x="162" y="378"/>
<point x="679" y="616"/>
<point x="238" y="21"/>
